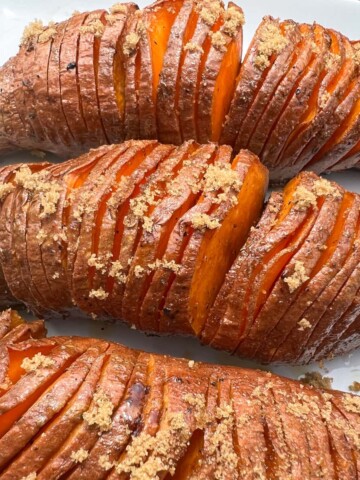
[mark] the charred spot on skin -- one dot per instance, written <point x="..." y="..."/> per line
<point x="298" y="91"/>
<point x="168" y="312"/>
<point x="71" y="66"/>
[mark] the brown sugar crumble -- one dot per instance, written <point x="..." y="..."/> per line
<point x="209" y="11"/>
<point x="95" y="27"/>
<point x="323" y="187"/>
<point x="303" y="324"/>
<point x="36" y="31"/>
<point x="130" y="44"/>
<point x="218" y="40"/>
<point x="104" y="462"/>
<point x="118" y="8"/>
<point x="79" y="456"/>
<point x="271" y="42"/>
<point x="202" y="221"/>
<point x="298" y="277"/>
<point x="193" y="47"/>
<point x="31" y="476"/>
<point x="234" y="19"/>
<point x="37" y="361"/>
<point x="100" y="412"/>
<point x="5" y="189"/>
<point x="304" y="198"/>
<point x="315" y="379"/>
<point x="99" y="294"/>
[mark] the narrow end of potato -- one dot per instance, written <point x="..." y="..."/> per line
<point x="220" y="247"/>
<point x="16" y="319"/>
<point x="16" y="358"/>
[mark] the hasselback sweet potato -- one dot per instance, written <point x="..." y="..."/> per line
<point x="165" y="238"/>
<point x="91" y="409"/>
<point x="174" y="71"/>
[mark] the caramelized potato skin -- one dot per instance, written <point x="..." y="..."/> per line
<point x="175" y="71"/>
<point x="104" y="402"/>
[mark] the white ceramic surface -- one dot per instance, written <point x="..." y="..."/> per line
<point x="343" y="15"/>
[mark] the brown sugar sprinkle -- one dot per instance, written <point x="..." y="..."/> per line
<point x="147" y="456"/>
<point x="234" y="19"/>
<point x="48" y="191"/>
<point x="95" y="27"/>
<point x="37" y="31"/>
<point x="202" y="221"/>
<point x="198" y="402"/>
<point x="304" y="198"/>
<point x="298" y="277"/>
<point x="31" y="476"/>
<point x="324" y="99"/>
<point x="315" y="379"/>
<point x="5" y="189"/>
<point x="221" y="443"/>
<point x="356" y="48"/>
<point x="100" y="412"/>
<point x="118" y="8"/>
<point x="218" y="40"/>
<point x="221" y="177"/>
<point x="193" y="47"/>
<point x="209" y="11"/>
<point x="104" y="462"/>
<point x="271" y="42"/>
<point x="323" y="187"/>
<point x="117" y="271"/>
<point x="351" y="403"/>
<point x="303" y="324"/>
<point x="79" y="456"/>
<point x="354" y="387"/>
<point x="331" y="59"/>
<point x="130" y="44"/>
<point x="99" y="294"/>
<point x="37" y="361"/>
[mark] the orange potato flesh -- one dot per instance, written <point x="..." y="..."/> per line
<point x="16" y="358"/>
<point x="126" y="171"/>
<point x="119" y="76"/>
<point x="190" y="460"/>
<point x="273" y="273"/>
<point x="336" y="234"/>
<point x="189" y="32"/>
<point x="220" y="247"/>
<point x="341" y="132"/>
<point x="225" y="87"/>
<point x="8" y="419"/>
<point x="159" y="31"/>
<point x="312" y="109"/>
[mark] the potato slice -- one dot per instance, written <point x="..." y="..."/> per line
<point x="87" y="66"/>
<point x="266" y="314"/>
<point x="54" y="107"/>
<point x="296" y="106"/>
<point x="340" y="70"/>
<point x="69" y="80"/>
<point x="167" y="97"/>
<point x="210" y="19"/>
<point x="219" y="248"/>
<point x="112" y="113"/>
<point x="182" y="195"/>
<point x="157" y="22"/>
<point x="218" y="76"/>
<point x="112" y="387"/>
<point x="248" y="81"/>
<point x="271" y="251"/>
<point x="148" y="163"/>
<point x="339" y="248"/>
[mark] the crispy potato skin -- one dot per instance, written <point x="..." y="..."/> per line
<point x="168" y="239"/>
<point x="103" y="400"/>
<point x="175" y="71"/>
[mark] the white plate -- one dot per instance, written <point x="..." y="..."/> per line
<point x="343" y="15"/>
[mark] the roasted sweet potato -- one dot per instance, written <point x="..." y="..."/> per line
<point x="173" y="72"/>
<point x="89" y="409"/>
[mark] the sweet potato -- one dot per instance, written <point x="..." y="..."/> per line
<point x="107" y="80"/>
<point x="87" y="66"/>
<point x="167" y="91"/>
<point x="168" y="418"/>
<point x="218" y="76"/>
<point x="209" y="20"/>
<point x="161" y="237"/>
<point x="174" y="72"/>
